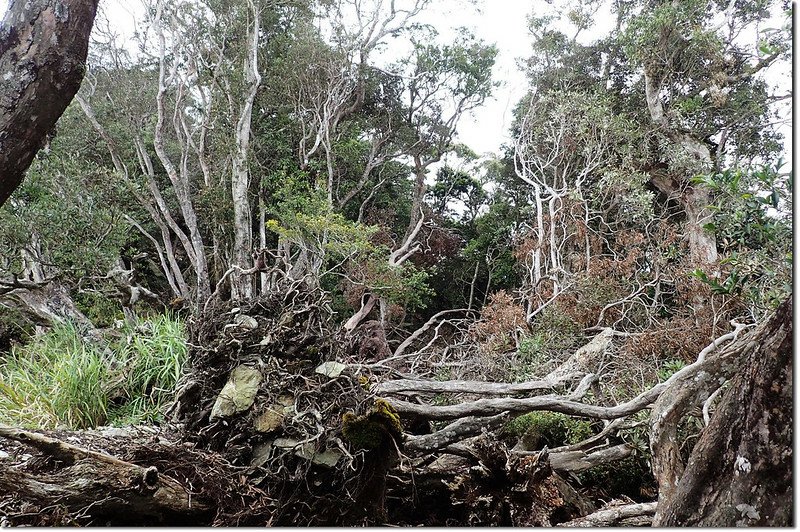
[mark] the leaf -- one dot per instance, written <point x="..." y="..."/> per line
<point x="331" y="369"/>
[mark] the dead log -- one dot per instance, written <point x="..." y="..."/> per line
<point x="454" y="433"/>
<point x="576" y="461"/>
<point x="616" y="515"/>
<point x="44" y="303"/>
<point x="94" y="484"/>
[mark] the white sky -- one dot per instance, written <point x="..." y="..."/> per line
<point x="503" y="23"/>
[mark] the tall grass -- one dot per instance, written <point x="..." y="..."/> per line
<point x="153" y="355"/>
<point x="60" y="379"/>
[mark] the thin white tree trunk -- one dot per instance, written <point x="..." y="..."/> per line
<point x="241" y="285"/>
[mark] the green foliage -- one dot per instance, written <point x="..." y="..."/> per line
<point x="62" y="379"/>
<point x="552" y="335"/>
<point x="753" y="229"/>
<point x="59" y="379"/>
<point x="74" y="230"/>
<point x="669" y="368"/>
<point x="532" y="350"/>
<point x="101" y="310"/>
<point x="549" y="428"/>
<point x="630" y="476"/>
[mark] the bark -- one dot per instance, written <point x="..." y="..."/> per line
<point x="242" y="285"/>
<point x="740" y="470"/>
<point x="89" y="479"/>
<point x="688" y="391"/>
<point x="43" y="47"/>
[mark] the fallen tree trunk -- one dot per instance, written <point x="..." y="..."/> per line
<point x="93" y="483"/>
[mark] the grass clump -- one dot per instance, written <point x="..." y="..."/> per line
<point x="61" y="379"/>
<point x="153" y="354"/>
<point x="58" y="379"/>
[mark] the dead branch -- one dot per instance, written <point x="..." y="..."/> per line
<point x="473" y="387"/>
<point x="616" y="516"/>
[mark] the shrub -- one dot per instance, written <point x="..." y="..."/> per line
<point x="549" y="428"/>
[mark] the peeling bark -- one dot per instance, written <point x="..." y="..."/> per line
<point x="43" y="47"/>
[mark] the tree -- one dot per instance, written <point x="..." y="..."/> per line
<point x="740" y="471"/>
<point x="43" y="47"/>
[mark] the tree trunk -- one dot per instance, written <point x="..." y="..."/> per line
<point x="43" y="46"/>
<point x="94" y="483"/>
<point x="242" y="285"/>
<point x="693" y="198"/>
<point x="740" y="470"/>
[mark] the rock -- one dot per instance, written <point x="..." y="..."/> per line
<point x="246" y="322"/>
<point x="286" y="443"/>
<point x="331" y="369"/>
<point x="261" y="454"/>
<point x="307" y="451"/>
<point x="269" y="420"/>
<point x="238" y="394"/>
<point x="115" y="432"/>
<point x="328" y="458"/>
<point x="4" y="455"/>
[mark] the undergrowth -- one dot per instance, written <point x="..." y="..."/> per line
<point x="63" y="379"/>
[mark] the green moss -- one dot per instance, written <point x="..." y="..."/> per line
<point x="384" y="411"/>
<point x="548" y="428"/>
<point x="631" y="477"/>
<point x="373" y="428"/>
